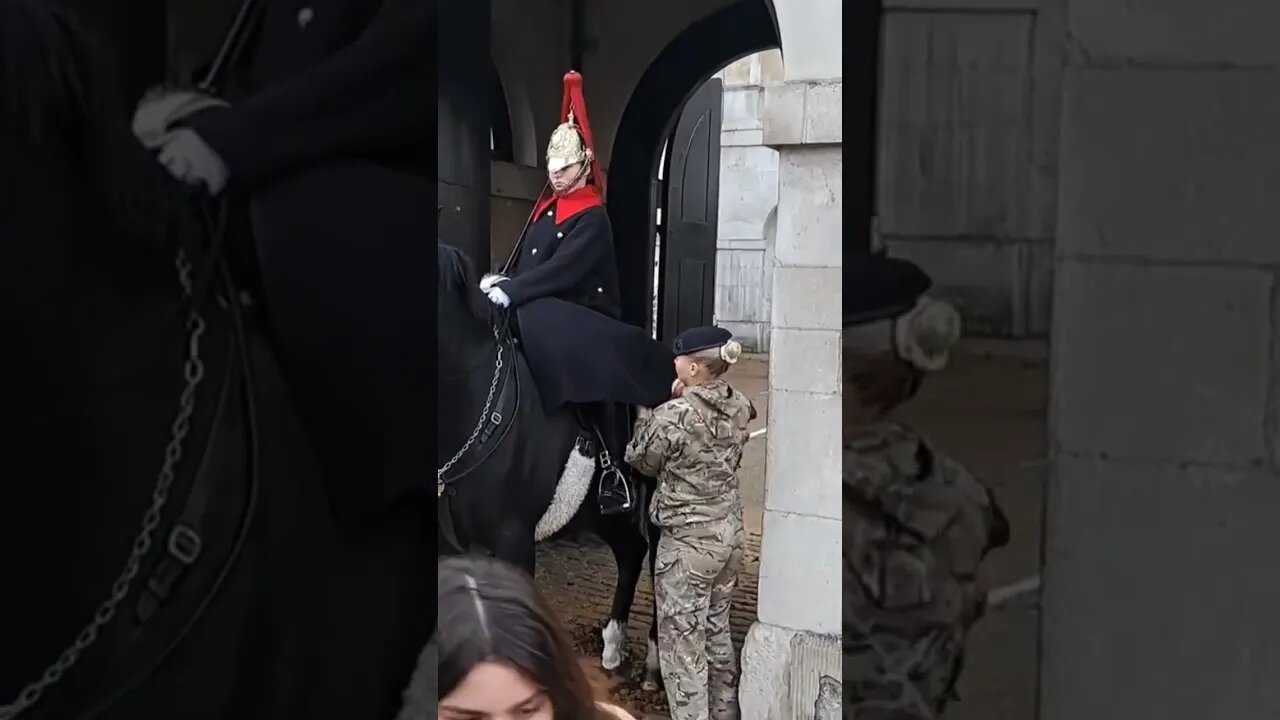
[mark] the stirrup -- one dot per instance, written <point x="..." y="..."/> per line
<point x="618" y="503"/>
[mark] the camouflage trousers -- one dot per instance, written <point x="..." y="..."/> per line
<point x="695" y="572"/>
<point x="894" y="670"/>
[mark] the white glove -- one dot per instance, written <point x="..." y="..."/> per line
<point x="190" y="159"/>
<point x="497" y="297"/>
<point x="489" y="280"/>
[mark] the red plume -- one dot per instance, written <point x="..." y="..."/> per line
<point x="573" y="100"/>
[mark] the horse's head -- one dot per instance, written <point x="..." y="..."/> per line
<point x="465" y="317"/>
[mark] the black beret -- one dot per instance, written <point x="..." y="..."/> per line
<point x="700" y="338"/>
<point x="878" y="287"/>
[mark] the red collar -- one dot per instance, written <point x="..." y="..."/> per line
<point x="571" y="205"/>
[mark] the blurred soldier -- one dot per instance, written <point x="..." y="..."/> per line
<point x="562" y="281"/>
<point x="916" y="524"/>
<point x="318" y="134"/>
<point x="693" y="444"/>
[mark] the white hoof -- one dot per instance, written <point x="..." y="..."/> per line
<point x="613" y="636"/>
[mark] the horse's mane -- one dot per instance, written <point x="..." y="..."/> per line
<point x="61" y="102"/>
<point x="456" y="276"/>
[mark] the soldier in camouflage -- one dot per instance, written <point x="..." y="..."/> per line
<point x="916" y="524"/>
<point x="693" y="444"/>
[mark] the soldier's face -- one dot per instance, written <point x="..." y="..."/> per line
<point x="494" y="691"/>
<point x="567" y="178"/>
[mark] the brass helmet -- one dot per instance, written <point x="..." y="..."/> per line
<point x="568" y="146"/>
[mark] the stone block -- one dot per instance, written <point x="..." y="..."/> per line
<point x="785" y="673"/>
<point x="1176" y="32"/>
<point x="810" y="220"/>
<point x="783" y="116"/>
<point x="807" y="298"/>
<point x="762" y="689"/>
<point x="748" y="190"/>
<point x="800" y="578"/>
<point x="741" y="108"/>
<point x="804" y="360"/>
<point x="1171" y="164"/>
<point x="1160" y="592"/>
<point x="803" y="460"/>
<point x="823" y="115"/>
<point x="1168" y="363"/>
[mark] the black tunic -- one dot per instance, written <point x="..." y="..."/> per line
<point x="564" y="289"/>
<point x="328" y="138"/>
<point x="573" y="260"/>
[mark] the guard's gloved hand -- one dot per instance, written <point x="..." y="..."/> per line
<point x="489" y="280"/>
<point x="497" y="297"/>
<point x="190" y="159"/>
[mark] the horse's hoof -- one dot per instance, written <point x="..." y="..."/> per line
<point x="611" y="661"/>
<point x="613" y="635"/>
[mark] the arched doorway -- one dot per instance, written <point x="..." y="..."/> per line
<point x="706" y="46"/>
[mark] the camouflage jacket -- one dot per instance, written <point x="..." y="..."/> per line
<point x="693" y="444"/>
<point x="916" y="527"/>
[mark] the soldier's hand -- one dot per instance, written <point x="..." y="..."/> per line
<point x="489" y="280"/>
<point x="190" y="159"/>
<point x="677" y="388"/>
<point x="497" y="297"/>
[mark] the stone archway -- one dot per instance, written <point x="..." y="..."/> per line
<point x="706" y="46"/>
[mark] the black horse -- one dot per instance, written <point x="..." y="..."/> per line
<point x="166" y="544"/>
<point x="502" y="457"/>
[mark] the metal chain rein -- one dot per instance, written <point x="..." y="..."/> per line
<point x="484" y="415"/>
<point x="193" y="373"/>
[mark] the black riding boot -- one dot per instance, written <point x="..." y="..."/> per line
<point x="617" y="494"/>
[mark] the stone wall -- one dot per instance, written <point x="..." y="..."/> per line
<point x="748" y="202"/>
<point x="969" y="137"/>
<point x="1160" y="584"/>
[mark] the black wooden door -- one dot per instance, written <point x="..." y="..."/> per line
<point x="691" y="216"/>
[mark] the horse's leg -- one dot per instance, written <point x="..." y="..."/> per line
<point x="628" y="546"/>
<point x="652" y="672"/>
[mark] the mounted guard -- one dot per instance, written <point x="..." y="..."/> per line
<point x="561" y="282"/>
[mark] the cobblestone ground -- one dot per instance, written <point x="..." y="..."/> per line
<point x="578" y="575"/>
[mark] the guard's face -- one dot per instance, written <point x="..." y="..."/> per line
<point x="565" y="178"/>
<point x="493" y="691"/>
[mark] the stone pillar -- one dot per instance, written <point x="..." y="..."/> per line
<point x="1161" y="578"/>
<point x="796" y="639"/>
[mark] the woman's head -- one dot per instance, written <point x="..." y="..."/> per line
<point x="885" y="361"/>
<point x="502" y="652"/>
<point x="704" y="353"/>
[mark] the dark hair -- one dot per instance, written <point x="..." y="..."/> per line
<point x="490" y="611"/>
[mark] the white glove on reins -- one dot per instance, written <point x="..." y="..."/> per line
<point x="497" y="297"/>
<point x="189" y="159"/>
<point x="489" y="280"/>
